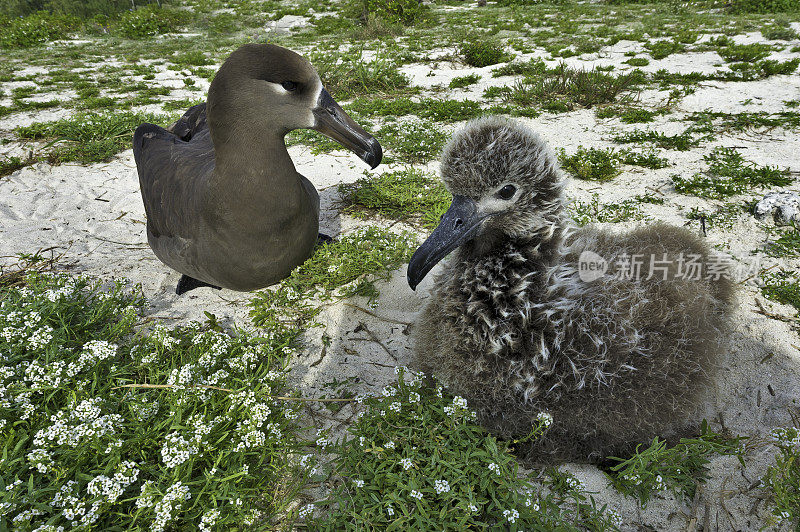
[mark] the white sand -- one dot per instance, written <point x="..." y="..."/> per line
<point x="95" y="214"/>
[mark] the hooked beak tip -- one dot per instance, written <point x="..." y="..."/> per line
<point x="374" y="155"/>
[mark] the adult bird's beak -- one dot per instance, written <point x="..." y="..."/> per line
<point x="459" y="224"/>
<point x="333" y="122"/>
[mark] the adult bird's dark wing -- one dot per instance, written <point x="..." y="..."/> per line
<point x="173" y="174"/>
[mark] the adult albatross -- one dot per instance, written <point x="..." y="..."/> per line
<point x="225" y="206"/>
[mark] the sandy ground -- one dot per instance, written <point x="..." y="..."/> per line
<point x="95" y="215"/>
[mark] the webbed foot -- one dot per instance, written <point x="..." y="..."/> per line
<point x="190" y="283"/>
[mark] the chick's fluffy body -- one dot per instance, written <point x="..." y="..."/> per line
<point x="511" y="326"/>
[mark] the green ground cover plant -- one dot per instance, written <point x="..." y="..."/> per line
<point x="564" y="88"/>
<point x="594" y="211"/>
<point x="411" y="142"/>
<point x="765" y="6"/>
<point x="345" y="267"/>
<point x="410" y="194"/>
<point x="88" y="137"/>
<point x="149" y="20"/>
<point x="783" y="478"/>
<point x="431" y="108"/>
<point x="347" y="75"/>
<point x="414" y="460"/>
<point x="460" y="82"/>
<point x="729" y="174"/>
<point x="481" y="51"/>
<point x="35" y="29"/>
<point x="678" y="469"/>
<point x="681" y="142"/>
<point x="592" y="164"/>
<point x="723" y="216"/>
<point x="405" y="12"/>
<point x="782" y="286"/>
<point x="203" y="442"/>
<point x="787" y="244"/>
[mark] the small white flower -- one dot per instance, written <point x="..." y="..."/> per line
<point x="406" y="463"/>
<point x="473" y="508"/>
<point x="390" y="511"/>
<point x="511" y="515"/>
<point x="417" y="495"/>
<point x="441" y="486"/>
<point x="389" y="445"/>
<point x="545" y="418"/>
<point x="358" y="482"/>
<point x="495" y="468"/>
<point x="306" y="510"/>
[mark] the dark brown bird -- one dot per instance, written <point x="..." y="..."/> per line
<point x="515" y="326"/>
<point x="225" y="206"/>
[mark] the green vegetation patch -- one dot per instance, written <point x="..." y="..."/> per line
<point x="765" y="6"/>
<point x="35" y="29"/>
<point x="679" y="469"/>
<point x="459" y="82"/>
<point x="347" y="75"/>
<point x="166" y="429"/>
<point x="563" y="88"/>
<point x="628" y="115"/>
<point x="149" y="20"/>
<point x="681" y="142"/>
<point x="412" y="142"/>
<point x="89" y="137"/>
<point x="395" y="11"/>
<point x="738" y="53"/>
<point x="341" y="268"/>
<point x="783" y="287"/>
<point x="408" y="194"/>
<point x="787" y="244"/>
<point x="415" y="460"/>
<point x="435" y="109"/>
<point x="595" y="212"/>
<point x="481" y="51"/>
<point x="664" y="48"/>
<point x="729" y="174"/>
<point x="592" y="164"/>
<point x="783" y="478"/>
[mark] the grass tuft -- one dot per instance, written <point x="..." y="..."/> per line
<point x="729" y="174"/>
<point x="89" y="137"/>
<point x="415" y="460"/>
<point x="480" y="51"/>
<point x="679" y="469"/>
<point x="592" y="164"/>
<point x="407" y="195"/>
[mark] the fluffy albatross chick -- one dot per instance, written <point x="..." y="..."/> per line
<point x="514" y="326"/>
<point x="225" y="206"/>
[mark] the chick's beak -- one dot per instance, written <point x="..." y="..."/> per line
<point x="333" y="122"/>
<point x="458" y="225"/>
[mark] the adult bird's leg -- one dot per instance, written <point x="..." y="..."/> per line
<point x="190" y="283"/>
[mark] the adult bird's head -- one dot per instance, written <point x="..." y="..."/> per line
<point x="505" y="183"/>
<point x="263" y="87"/>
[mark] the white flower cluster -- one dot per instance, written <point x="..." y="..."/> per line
<point x="789" y="437"/>
<point x="406" y="463"/>
<point x="176" y="449"/>
<point x="545" y="418"/>
<point x="172" y="502"/>
<point x="574" y="483"/>
<point x="41" y="375"/>
<point x="358" y="482"/>
<point x="614" y="517"/>
<point x="511" y="515"/>
<point x="458" y="407"/>
<point x="41" y="459"/>
<point x="441" y="486"/>
<point x="208" y="520"/>
<point x="415" y="494"/>
<point x="306" y="510"/>
<point x="494" y="468"/>
<point x="93" y="352"/>
<point x="110" y="489"/>
<point x="81" y="423"/>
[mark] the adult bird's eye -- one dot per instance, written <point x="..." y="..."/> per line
<point x="290" y="86"/>
<point x="507" y="192"/>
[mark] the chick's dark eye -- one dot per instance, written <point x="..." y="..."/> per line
<point x="507" y="192"/>
<point x="290" y="86"/>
